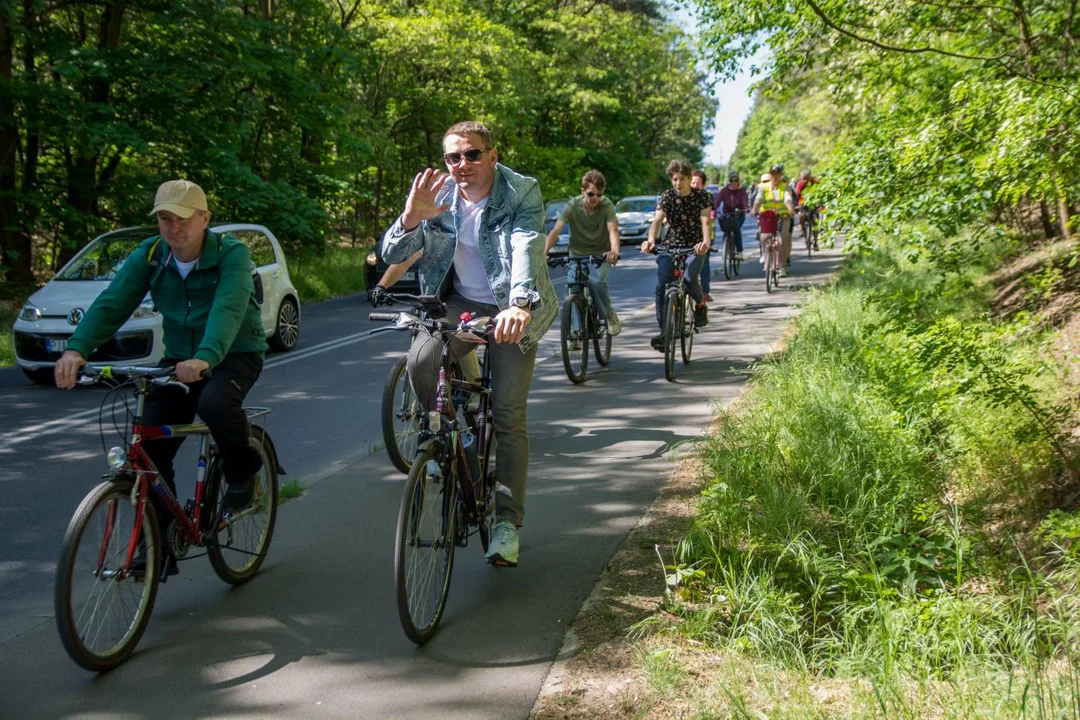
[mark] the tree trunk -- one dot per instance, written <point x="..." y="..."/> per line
<point x="1063" y="216"/>
<point x="15" y="246"/>
<point x="1047" y="221"/>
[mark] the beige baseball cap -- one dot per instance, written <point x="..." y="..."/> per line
<point x="179" y="196"/>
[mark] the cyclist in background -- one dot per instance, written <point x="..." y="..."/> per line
<point x="774" y="196"/>
<point x="390" y="277"/>
<point x="688" y="213"/>
<point x="806" y="179"/>
<point x="594" y="230"/>
<point x="729" y="199"/>
<point x="698" y="182"/>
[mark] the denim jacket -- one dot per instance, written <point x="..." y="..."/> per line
<point x="511" y="246"/>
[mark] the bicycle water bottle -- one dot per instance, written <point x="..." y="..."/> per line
<point x="468" y="441"/>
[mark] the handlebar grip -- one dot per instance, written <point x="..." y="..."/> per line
<point x="383" y="317"/>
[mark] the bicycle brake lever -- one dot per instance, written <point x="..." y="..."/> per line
<point x="166" y="382"/>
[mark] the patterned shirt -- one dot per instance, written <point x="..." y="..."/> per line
<point x="683" y="214"/>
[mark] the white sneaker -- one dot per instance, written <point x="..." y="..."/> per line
<point x="614" y="324"/>
<point x="503" y="550"/>
<point x="761" y="259"/>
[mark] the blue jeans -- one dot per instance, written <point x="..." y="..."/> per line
<point x="691" y="278"/>
<point x="706" y="274"/>
<point x="598" y="286"/>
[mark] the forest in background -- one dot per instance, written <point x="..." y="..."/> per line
<point x="311" y="116"/>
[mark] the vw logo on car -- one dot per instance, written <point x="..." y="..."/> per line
<point x="75" y="316"/>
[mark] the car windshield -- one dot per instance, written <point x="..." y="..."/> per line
<point x="644" y="205"/>
<point x="104" y="256"/>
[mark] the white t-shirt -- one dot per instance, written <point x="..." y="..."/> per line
<point x="185" y="267"/>
<point x="470" y="277"/>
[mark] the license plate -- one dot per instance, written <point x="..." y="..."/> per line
<point x="56" y="345"/>
<point x="410" y="275"/>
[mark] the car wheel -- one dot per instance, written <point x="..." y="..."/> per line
<point x="287" y="328"/>
<point x="40" y="376"/>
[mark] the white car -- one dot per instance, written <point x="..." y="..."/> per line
<point x="48" y="319"/>
<point x="635" y="215"/>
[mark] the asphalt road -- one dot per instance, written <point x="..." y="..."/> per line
<point x="316" y="633"/>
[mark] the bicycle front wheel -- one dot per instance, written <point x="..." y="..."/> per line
<point x="424" y="547"/>
<point x="101" y="608"/>
<point x="729" y="258"/>
<point x="574" y="337"/>
<point x="601" y="341"/>
<point x="687" y="329"/>
<point x="770" y="264"/>
<point x="238" y="548"/>
<point x="400" y="417"/>
<point x="672" y="324"/>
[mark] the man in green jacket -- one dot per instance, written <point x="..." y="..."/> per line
<point x="202" y="285"/>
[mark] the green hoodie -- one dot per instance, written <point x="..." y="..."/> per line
<point x="211" y="313"/>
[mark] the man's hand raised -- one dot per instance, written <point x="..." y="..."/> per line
<point x="421" y="205"/>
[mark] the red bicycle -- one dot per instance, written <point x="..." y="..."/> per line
<point x="111" y="561"/>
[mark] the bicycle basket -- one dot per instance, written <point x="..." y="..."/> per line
<point x="730" y="223"/>
<point x="769" y="221"/>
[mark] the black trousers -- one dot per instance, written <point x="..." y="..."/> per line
<point x="218" y="400"/>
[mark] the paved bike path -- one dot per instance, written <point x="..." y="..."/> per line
<point x="316" y="633"/>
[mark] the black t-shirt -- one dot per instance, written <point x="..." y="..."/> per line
<point x="684" y="216"/>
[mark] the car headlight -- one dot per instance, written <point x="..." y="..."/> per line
<point x="29" y="313"/>
<point x="146" y="309"/>
<point x="371" y="259"/>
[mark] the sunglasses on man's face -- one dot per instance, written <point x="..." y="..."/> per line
<point x="591" y="194"/>
<point x="472" y="156"/>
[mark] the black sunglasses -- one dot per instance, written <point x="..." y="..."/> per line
<point x="472" y="156"/>
<point x="592" y="194"/>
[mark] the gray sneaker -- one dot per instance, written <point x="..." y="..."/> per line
<point x="503" y="549"/>
<point x="614" y="324"/>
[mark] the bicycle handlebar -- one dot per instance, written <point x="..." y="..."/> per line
<point x="596" y="260"/>
<point x="162" y="376"/>
<point x="383" y="317"/>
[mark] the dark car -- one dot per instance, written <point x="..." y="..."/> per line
<point x="376" y="266"/>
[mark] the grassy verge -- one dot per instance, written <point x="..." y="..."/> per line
<point x="888" y="521"/>
<point x="7" y="319"/>
<point x="338" y="271"/>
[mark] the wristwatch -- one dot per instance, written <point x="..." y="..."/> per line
<point x="521" y="302"/>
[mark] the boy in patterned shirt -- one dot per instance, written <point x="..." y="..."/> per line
<point x="688" y="213"/>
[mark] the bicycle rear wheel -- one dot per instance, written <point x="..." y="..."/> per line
<point x="424" y="546"/>
<point x="672" y="323"/>
<point x="770" y="264"/>
<point x="400" y="417"/>
<point x="237" y="549"/>
<point x="101" y="609"/>
<point x="601" y="340"/>
<point x="687" y="328"/>
<point x="574" y="338"/>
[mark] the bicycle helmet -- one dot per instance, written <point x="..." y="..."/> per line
<point x="733" y="176"/>
<point x="777" y="168"/>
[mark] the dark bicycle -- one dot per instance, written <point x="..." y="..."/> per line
<point x="581" y="322"/>
<point x="450" y="492"/>
<point x="811" y="217"/>
<point x="679" y="324"/>
<point x="111" y="561"/>
<point x="729" y="224"/>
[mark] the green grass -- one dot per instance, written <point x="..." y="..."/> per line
<point x="338" y="271"/>
<point x="872" y="503"/>
<point x="290" y="490"/>
<point x="7" y="350"/>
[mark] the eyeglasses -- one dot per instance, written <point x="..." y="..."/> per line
<point x="472" y="156"/>
<point x="591" y="194"/>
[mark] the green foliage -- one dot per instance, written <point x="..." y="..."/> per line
<point x="290" y="490"/>
<point x="334" y="272"/>
<point x="312" y="116"/>
<point x="861" y="497"/>
<point x="942" y="113"/>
